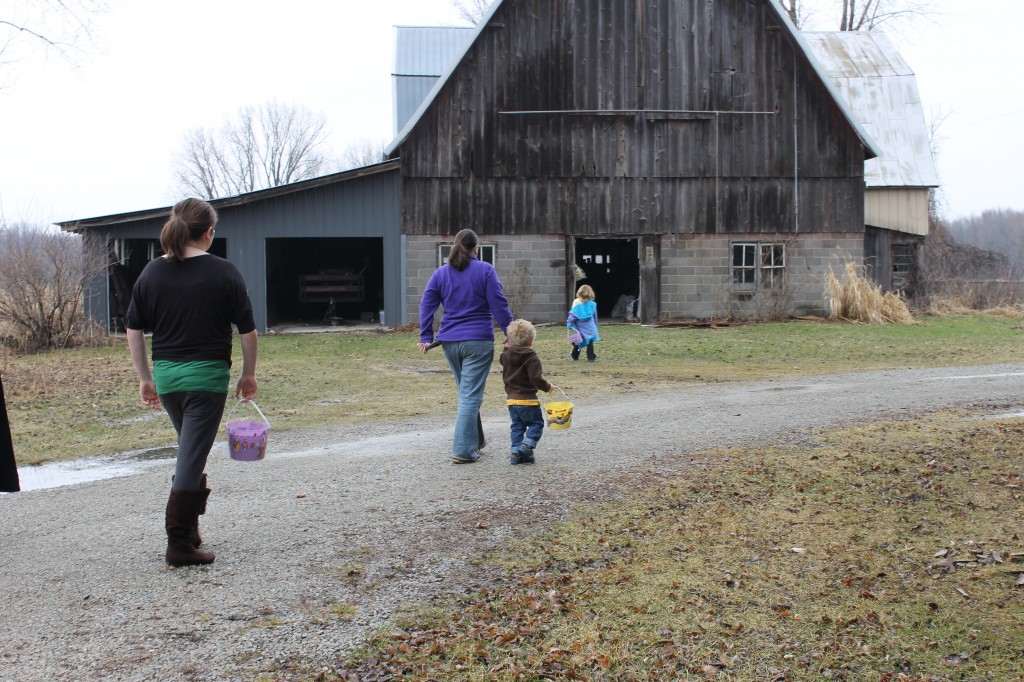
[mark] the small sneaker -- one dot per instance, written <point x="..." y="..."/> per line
<point x="466" y="460"/>
<point x="524" y="456"/>
<point x="593" y="359"/>
<point x="574" y="358"/>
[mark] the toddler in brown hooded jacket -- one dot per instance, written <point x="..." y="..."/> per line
<point x="523" y="376"/>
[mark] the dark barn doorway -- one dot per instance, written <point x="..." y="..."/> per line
<point x="324" y="280"/>
<point x="612" y="269"/>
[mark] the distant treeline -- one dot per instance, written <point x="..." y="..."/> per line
<point x="998" y="230"/>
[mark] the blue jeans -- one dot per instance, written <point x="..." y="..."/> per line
<point x="527" y="425"/>
<point x="470" y="362"/>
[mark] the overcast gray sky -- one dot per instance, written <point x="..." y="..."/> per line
<point x="99" y="138"/>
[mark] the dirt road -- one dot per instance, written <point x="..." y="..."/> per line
<point x="335" y="532"/>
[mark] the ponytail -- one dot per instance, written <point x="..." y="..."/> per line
<point x="462" y="249"/>
<point x="190" y="218"/>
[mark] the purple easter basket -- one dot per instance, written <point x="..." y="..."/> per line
<point x="575" y="338"/>
<point x="247" y="440"/>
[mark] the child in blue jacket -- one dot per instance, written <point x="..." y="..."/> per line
<point x="583" y="320"/>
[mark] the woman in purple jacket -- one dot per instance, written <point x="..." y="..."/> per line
<point x="471" y="294"/>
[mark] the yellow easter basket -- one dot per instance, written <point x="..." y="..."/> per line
<point x="559" y="414"/>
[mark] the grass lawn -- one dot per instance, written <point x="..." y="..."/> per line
<point x="84" y="402"/>
<point x="889" y="552"/>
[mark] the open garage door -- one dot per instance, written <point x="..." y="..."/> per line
<point x="324" y="280"/>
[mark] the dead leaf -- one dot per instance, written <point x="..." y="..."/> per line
<point x="941" y="553"/>
<point x="1020" y="581"/>
<point x="966" y="596"/>
<point x="798" y="550"/>
<point x="301" y="495"/>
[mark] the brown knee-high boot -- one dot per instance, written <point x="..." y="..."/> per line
<point x="197" y="539"/>
<point x="204" y="495"/>
<point x="182" y="511"/>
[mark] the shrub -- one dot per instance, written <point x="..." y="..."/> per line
<point x="42" y="283"/>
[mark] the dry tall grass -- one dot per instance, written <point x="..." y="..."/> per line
<point x="857" y="299"/>
<point x="955" y="307"/>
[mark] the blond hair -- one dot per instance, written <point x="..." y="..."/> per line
<point x="521" y="333"/>
<point x="585" y="293"/>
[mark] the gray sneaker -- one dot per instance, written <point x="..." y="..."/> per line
<point x="524" y="456"/>
<point x="466" y="460"/>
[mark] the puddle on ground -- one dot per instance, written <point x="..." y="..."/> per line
<point x="70" y="472"/>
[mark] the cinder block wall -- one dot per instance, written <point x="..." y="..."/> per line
<point x="696" y="274"/>
<point x="531" y="268"/>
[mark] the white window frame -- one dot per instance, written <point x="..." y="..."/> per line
<point x="772" y="265"/>
<point x="744" y="274"/>
<point x="762" y="265"/>
<point x="485" y="253"/>
<point x="121" y="251"/>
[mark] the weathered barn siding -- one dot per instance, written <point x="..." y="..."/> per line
<point x="592" y="117"/>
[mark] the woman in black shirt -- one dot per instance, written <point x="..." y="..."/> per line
<point x="190" y="299"/>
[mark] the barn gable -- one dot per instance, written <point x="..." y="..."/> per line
<point x="647" y="117"/>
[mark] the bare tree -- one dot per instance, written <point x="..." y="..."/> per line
<point x="59" y="26"/>
<point x="262" y="147"/>
<point x="472" y="11"/>
<point x="42" y="284"/>
<point x="362" y="152"/>
<point x="856" y="15"/>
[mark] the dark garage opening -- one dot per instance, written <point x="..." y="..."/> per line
<point x="612" y="268"/>
<point x="324" y="280"/>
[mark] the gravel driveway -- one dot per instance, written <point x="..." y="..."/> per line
<point x="369" y="520"/>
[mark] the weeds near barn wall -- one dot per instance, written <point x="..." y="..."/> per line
<point x="857" y="299"/>
<point x="518" y="290"/>
<point x="775" y="302"/>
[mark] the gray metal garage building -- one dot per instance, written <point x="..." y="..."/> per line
<point x="298" y="246"/>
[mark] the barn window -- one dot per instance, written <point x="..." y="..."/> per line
<point x="485" y="252"/>
<point x="902" y="266"/>
<point x="744" y="264"/>
<point x="773" y="265"/>
<point x="758" y="264"/>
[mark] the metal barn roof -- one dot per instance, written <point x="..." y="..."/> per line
<point x="422" y="54"/>
<point x="428" y="50"/>
<point x="881" y="91"/>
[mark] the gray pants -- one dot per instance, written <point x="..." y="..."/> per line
<point x="196" y="417"/>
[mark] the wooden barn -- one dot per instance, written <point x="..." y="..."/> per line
<point x="694" y="153"/>
<point x="691" y="151"/>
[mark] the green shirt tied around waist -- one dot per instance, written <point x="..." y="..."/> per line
<point x="209" y="376"/>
